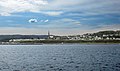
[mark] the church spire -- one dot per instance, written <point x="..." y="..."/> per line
<point x="48" y="34"/>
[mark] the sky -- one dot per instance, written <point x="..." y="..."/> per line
<point x="60" y="17"/>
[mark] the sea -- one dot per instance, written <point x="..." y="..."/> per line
<point x="60" y="57"/>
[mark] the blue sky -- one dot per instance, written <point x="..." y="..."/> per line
<point x="60" y="17"/>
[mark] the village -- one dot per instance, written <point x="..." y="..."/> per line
<point x="99" y="36"/>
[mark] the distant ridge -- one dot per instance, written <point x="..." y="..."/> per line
<point x="8" y="37"/>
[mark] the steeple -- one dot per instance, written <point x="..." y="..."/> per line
<point x="48" y="34"/>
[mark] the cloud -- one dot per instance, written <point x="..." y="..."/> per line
<point x="62" y="4"/>
<point x="46" y="20"/>
<point x="7" y="7"/>
<point x="87" y="7"/>
<point x="64" y="23"/>
<point x="70" y="21"/>
<point x="53" y="13"/>
<point x="58" y="7"/>
<point x="33" y="21"/>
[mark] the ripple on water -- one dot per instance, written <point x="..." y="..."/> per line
<point x="60" y="58"/>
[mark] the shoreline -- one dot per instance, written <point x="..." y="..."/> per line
<point x="43" y="42"/>
<point x="61" y="44"/>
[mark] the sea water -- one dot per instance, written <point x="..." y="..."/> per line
<point x="68" y="57"/>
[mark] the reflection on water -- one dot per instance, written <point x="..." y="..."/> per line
<point x="60" y="58"/>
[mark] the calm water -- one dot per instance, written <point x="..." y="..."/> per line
<point x="60" y="57"/>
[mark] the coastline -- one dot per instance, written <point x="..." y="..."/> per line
<point x="60" y="42"/>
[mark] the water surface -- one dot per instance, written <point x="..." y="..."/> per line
<point x="60" y="57"/>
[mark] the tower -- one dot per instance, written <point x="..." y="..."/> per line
<point x="48" y="34"/>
